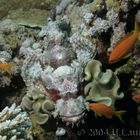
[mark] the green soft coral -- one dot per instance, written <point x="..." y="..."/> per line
<point x="40" y="104"/>
<point x="103" y="87"/>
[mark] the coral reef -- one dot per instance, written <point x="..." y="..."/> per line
<point x="62" y="5"/>
<point x="40" y="104"/>
<point x="65" y="79"/>
<point x="60" y="132"/>
<point x="127" y="5"/>
<point x="71" y="110"/>
<point x="59" y="50"/>
<point x="6" y="57"/>
<point x="83" y="45"/>
<point x="11" y="37"/>
<point x="14" y="34"/>
<point x="51" y="66"/>
<point x="8" y="25"/>
<point x="28" y="18"/>
<point x="97" y="6"/>
<point x="99" y="26"/>
<point x="54" y="62"/>
<point x="126" y="68"/>
<point x="115" y="5"/>
<point x="48" y="62"/>
<point x="103" y="87"/>
<point x="88" y="29"/>
<point x="7" y="6"/>
<point x="135" y="81"/>
<point x="132" y="66"/>
<point x="15" y="124"/>
<point x="113" y="17"/>
<point x="119" y="32"/>
<point x="38" y="131"/>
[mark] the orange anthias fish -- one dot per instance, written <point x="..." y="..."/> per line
<point x="102" y="109"/>
<point x="136" y="98"/>
<point x="4" y="67"/>
<point x="125" y="45"/>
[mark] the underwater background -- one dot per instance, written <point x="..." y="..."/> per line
<point x="69" y="69"/>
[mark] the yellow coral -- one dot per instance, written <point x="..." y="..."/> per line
<point x="95" y="6"/>
<point x="114" y="4"/>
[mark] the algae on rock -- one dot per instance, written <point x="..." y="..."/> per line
<point x="7" y="5"/>
<point x="31" y="17"/>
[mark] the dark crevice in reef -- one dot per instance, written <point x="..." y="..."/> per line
<point x="12" y="93"/>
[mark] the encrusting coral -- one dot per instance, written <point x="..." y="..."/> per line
<point x="135" y="81"/>
<point x="52" y="66"/>
<point x="71" y="111"/>
<point x="55" y="52"/>
<point x="91" y="29"/>
<point x="97" y="5"/>
<point x="132" y="66"/>
<point x="83" y="46"/>
<point x="47" y="62"/>
<point x="62" y="5"/>
<point x="118" y="33"/>
<point x="15" y="124"/>
<point x="103" y="87"/>
<point x="6" y="58"/>
<point x="55" y="61"/>
<point x="115" y="5"/>
<point x="40" y="104"/>
<point x="11" y="37"/>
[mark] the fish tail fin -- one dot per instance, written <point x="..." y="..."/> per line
<point x="119" y="115"/>
<point x="137" y="26"/>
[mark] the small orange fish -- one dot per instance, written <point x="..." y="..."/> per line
<point x="125" y="45"/>
<point x="136" y="98"/>
<point x="4" y="67"/>
<point x="102" y="109"/>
